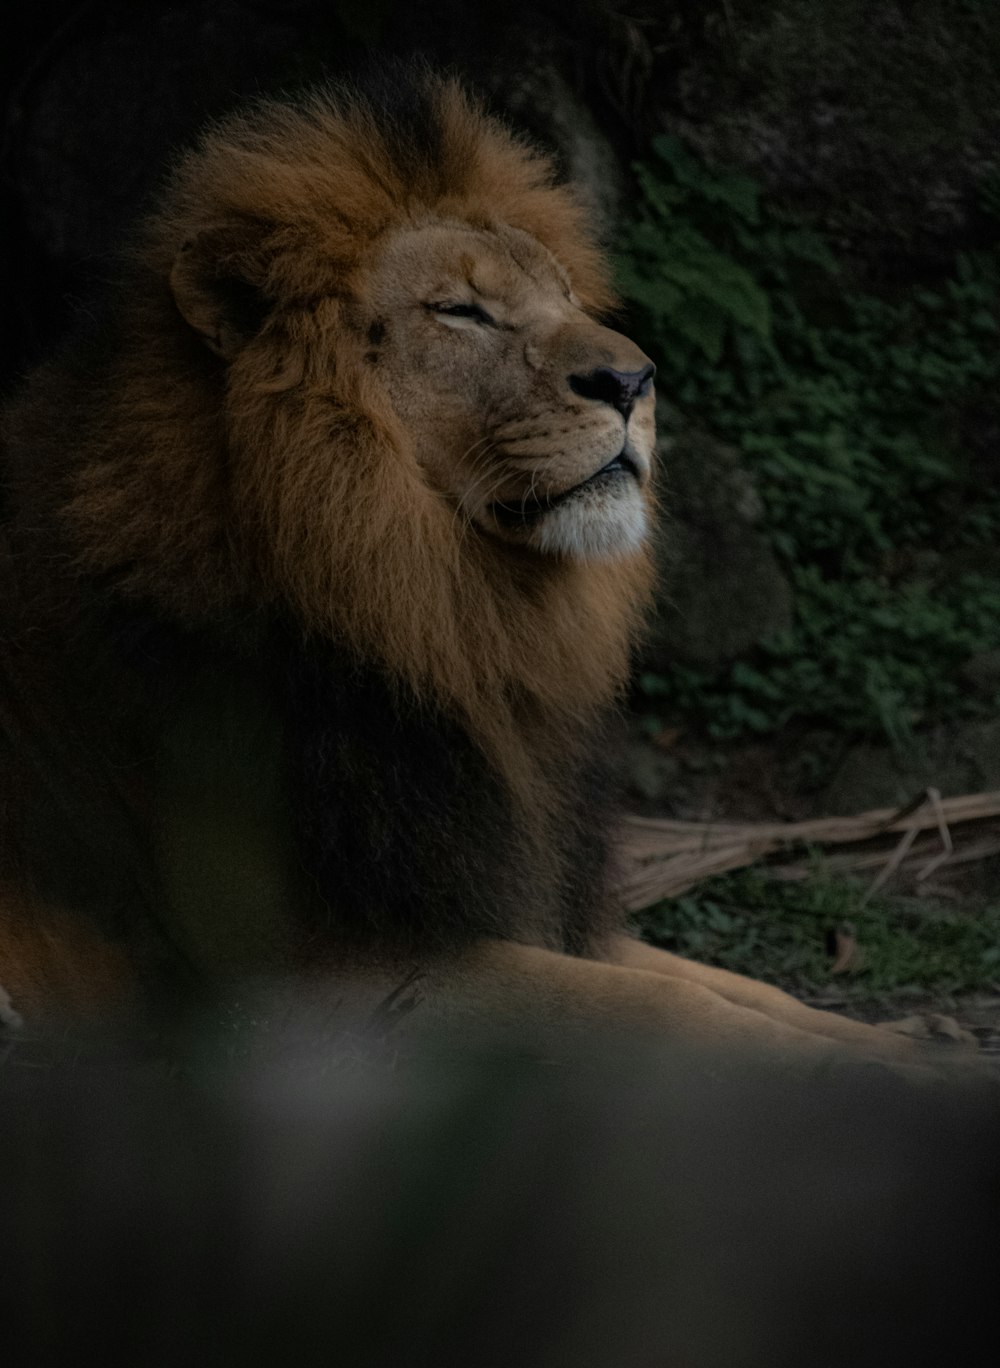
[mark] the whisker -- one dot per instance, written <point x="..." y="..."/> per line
<point x="478" y="463"/>
<point x="490" y="496"/>
<point x="477" y="484"/>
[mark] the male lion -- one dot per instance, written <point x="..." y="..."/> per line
<point x="320" y="566"/>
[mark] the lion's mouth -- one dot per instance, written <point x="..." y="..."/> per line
<point x="532" y="507"/>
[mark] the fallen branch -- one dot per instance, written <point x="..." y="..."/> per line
<point x="662" y="858"/>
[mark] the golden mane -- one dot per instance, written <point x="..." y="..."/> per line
<point x="290" y="481"/>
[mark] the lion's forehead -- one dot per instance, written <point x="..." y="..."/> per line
<point x="498" y="260"/>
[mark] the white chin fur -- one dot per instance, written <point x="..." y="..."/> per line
<point x="593" y="529"/>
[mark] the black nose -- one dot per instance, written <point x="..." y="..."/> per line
<point x="618" y="388"/>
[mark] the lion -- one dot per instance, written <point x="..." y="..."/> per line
<point x="323" y="558"/>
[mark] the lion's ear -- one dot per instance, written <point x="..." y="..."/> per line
<point x="217" y="290"/>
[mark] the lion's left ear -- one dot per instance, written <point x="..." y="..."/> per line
<point x="217" y="289"/>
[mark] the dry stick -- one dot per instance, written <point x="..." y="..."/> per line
<point x="856" y="861"/>
<point x="891" y="865"/>
<point x="935" y="799"/>
<point x="663" y="857"/>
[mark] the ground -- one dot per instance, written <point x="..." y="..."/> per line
<point x="928" y="948"/>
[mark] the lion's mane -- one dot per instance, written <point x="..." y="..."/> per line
<point x="438" y="701"/>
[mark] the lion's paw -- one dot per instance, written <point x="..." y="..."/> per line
<point x="10" y="1017"/>
<point x="934" y="1026"/>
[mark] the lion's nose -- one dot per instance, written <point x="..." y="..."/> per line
<point x="618" y="388"/>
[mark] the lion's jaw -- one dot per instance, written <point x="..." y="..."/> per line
<point x="486" y="357"/>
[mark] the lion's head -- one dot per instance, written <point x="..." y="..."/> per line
<point x="529" y="417"/>
<point x="363" y="374"/>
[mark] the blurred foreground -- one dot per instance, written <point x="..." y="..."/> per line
<point x="281" y="1197"/>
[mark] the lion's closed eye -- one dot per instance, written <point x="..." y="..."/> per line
<point x="472" y="313"/>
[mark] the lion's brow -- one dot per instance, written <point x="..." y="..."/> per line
<point x="532" y="257"/>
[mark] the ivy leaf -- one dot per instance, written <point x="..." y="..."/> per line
<point x="671" y="150"/>
<point x="703" y="323"/>
<point x="738" y="193"/>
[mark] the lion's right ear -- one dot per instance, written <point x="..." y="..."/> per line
<point x="218" y="293"/>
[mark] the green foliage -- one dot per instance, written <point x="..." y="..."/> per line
<point x="849" y="409"/>
<point x="781" y="931"/>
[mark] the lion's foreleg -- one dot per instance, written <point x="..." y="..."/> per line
<point x="761" y="998"/>
<point x="499" y="983"/>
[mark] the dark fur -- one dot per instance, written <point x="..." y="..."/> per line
<point x="390" y="827"/>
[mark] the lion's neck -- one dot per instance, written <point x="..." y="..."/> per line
<point x="516" y="645"/>
<point x="526" y="655"/>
